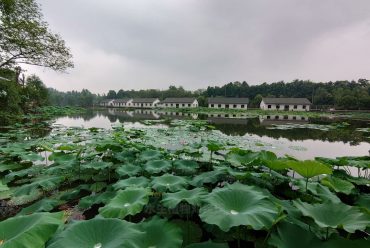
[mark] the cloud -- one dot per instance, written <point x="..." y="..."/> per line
<point x="153" y="44"/>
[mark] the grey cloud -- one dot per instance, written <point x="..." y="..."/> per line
<point x="196" y="43"/>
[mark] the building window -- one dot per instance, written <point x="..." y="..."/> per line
<point x="304" y="106"/>
<point x="242" y="106"/>
<point x="276" y="117"/>
<point x="234" y="106"/>
<point x="269" y="106"/>
<point x="189" y="105"/>
<point x="277" y="106"/>
<point x="268" y="117"/>
<point x="219" y="105"/>
<point x="295" y="106"/>
<point x="294" y="118"/>
<point x="211" y="105"/>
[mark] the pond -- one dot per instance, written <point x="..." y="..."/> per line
<point x="298" y="136"/>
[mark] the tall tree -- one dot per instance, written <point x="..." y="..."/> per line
<point x="25" y="38"/>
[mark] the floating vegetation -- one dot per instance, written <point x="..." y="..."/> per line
<point x="183" y="186"/>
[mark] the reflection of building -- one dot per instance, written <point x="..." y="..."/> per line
<point x="106" y="103"/>
<point x="285" y="104"/>
<point x="184" y="102"/>
<point x="228" y="102"/>
<point x="178" y="115"/>
<point x="124" y="102"/>
<point x="144" y="102"/>
<point x="226" y="120"/>
<point x="235" y="115"/>
<point x="282" y="119"/>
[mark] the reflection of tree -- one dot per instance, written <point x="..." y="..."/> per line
<point x="338" y="134"/>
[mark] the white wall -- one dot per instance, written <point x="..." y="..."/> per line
<point x="230" y="106"/>
<point x="180" y="105"/>
<point x="299" y="107"/>
<point x="144" y="105"/>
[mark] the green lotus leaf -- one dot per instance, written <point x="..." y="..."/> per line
<point x="44" y="183"/>
<point x="68" y="160"/>
<point x="239" y="205"/>
<point x="74" y="193"/>
<point x="128" y="170"/>
<point x="364" y="201"/>
<point x="124" y="156"/>
<point x="208" y="244"/>
<point x="309" y="168"/>
<point x="127" y="202"/>
<point x="160" y="233"/>
<point x="149" y="155"/>
<point x="289" y="235"/>
<point x="238" y="157"/>
<point x="97" y="165"/>
<point x="44" y="205"/>
<point x="209" y="177"/>
<point x="10" y="167"/>
<point x="3" y="187"/>
<point x="193" y="197"/>
<point x="338" y="185"/>
<point x="191" y="232"/>
<point x="29" y="231"/>
<point x="335" y="215"/>
<point x="87" y="201"/>
<point x="277" y="164"/>
<point x="186" y="166"/>
<point x="345" y="243"/>
<point x="156" y="166"/>
<point x="168" y="182"/>
<point x="31" y="157"/>
<point x="98" y="233"/>
<point x="319" y="190"/>
<point x="140" y="182"/>
<point x="214" y="146"/>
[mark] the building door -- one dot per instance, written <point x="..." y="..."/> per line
<point x="286" y="107"/>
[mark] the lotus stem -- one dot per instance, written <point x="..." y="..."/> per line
<point x="327" y="233"/>
<point x="306" y="183"/>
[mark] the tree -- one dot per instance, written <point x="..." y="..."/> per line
<point x="256" y="101"/>
<point x="111" y="94"/>
<point x="26" y="39"/>
<point x="34" y="94"/>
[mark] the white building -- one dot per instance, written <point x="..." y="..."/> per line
<point x="184" y="102"/>
<point x="122" y="103"/>
<point x="107" y="103"/>
<point x="144" y="102"/>
<point x="228" y="102"/>
<point x="285" y="104"/>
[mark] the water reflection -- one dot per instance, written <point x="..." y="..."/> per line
<point x="301" y="128"/>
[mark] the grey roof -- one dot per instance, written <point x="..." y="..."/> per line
<point x="179" y="100"/>
<point x="228" y="100"/>
<point x="282" y="100"/>
<point x="144" y="100"/>
<point x="124" y="100"/>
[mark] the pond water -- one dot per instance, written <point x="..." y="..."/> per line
<point x="298" y="136"/>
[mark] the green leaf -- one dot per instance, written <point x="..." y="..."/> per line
<point x="98" y="233"/>
<point x="128" y="170"/>
<point x="140" y="182"/>
<point x="127" y="202"/>
<point x="239" y="205"/>
<point x="97" y="165"/>
<point x="335" y="215"/>
<point x="238" y="157"/>
<point x="209" y="177"/>
<point x="191" y="232"/>
<point x="87" y="201"/>
<point x="338" y="185"/>
<point x="3" y="187"/>
<point x="29" y="231"/>
<point x="289" y="235"/>
<point x="208" y="244"/>
<point x="44" y="205"/>
<point x="185" y="166"/>
<point x="168" y="182"/>
<point x="157" y="166"/>
<point x="149" y="155"/>
<point x="193" y="197"/>
<point x="309" y="168"/>
<point x="160" y="233"/>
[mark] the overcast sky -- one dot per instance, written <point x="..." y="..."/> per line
<point x="139" y="44"/>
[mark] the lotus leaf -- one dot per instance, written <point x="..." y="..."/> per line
<point x="335" y="215"/>
<point x="149" y="155"/>
<point x="309" y="168"/>
<point x="3" y="187"/>
<point x="319" y="190"/>
<point x="127" y="202"/>
<point x="209" y="177"/>
<point x="97" y="165"/>
<point x="44" y="205"/>
<point x="87" y="201"/>
<point x="208" y="244"/>
<point x="157" y="166"/>
<point x="193" y="197"/>
<point x="239" y="205"/>
<point x="238" y="157"/>
<point x="186" y="166"/>
<point x="29" y="231"/>
<point x="160" y="233"/>
<point x="168" y="182"/>
<point x="338" y="185"/>
<point x="128" y="170"/>
<point x="140" y="182"/>
<point x="98" y="233"/>
<point x="191" y="232"/>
